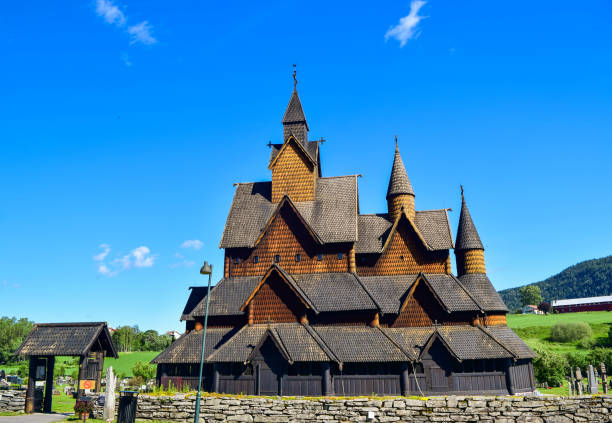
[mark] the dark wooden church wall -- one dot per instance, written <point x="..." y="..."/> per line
<point x="367" y="379"/>
<point x="522" y="376"/>
<point x="404" y="255"/>
<point x="473" y="376"/>
<point x="287" y="238"/>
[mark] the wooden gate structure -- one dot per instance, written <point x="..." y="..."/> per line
<point x="91" y="342"/>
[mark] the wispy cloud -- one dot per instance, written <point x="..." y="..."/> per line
<point x="126" y="60"/>
<point x="9" y="284"/>
<point x="138" y="257"/>
<point x="110" y="12"/>
<point x="183" y="261"/>
<point x="407" y="26"/>
<point x="101" y="256"/>
<point x="113" y="15"/>
<point x="141" y="33"/>
<point x="196" y="244"/>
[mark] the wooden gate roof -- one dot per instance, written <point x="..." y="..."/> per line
<point x="72" y="339"/>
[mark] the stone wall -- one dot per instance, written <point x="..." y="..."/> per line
<point x="12" y="401"/>
<point x="505" y="409"/>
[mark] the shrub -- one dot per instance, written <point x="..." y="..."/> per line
<point x="550" y="368"/>
<point x="569" y="332"/>
<point x="143" y="370"/>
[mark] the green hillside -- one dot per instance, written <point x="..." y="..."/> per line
<point x="590" y="278"/>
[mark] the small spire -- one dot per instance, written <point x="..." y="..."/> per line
<point x="467" y="235"/>
<point x="294" y="76"/>
<point x="399" y="183"/>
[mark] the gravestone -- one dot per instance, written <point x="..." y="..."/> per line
<point x="592" y="381"/>
<point x="109" y="403"/>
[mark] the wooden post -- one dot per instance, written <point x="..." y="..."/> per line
<point x="215" y="387"/>
<point x="509" y="378"/>
<point x="49" y="385"/>
<point x="31" y="392"/>
<point x="100" y="359"/>
<point x="604" y="378"/>
<point x="82" y="362"/>
<point x="405" y="380"/>
<point x="328" y="387"/>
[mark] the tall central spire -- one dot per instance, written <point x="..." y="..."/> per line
<point x="294" y="121"/>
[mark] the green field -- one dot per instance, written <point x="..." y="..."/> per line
<point x="535" y="329"/>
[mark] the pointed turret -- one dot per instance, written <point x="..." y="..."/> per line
<point x="294" y="121"/>
<point x="469" y="250"/>
<point x="399" y="193"/>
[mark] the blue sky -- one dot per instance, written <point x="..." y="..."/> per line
<point x="124" y="124"/>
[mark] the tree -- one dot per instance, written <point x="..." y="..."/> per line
<point x="530" y="294"/>
<point x="545" y="307"/>
<point x="12" y="332"/>
<point x="125" y="338"/>
<point x="143" y="370"/>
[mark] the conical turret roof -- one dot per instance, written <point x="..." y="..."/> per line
<point x="294" y="112"/>
<point x="467" y="235"/>
<point x="399" y="182"/>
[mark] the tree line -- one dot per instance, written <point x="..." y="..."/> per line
<point x="591" y="278"/>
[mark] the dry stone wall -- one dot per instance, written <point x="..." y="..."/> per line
<point x="504" y="409"/>
<point x="12" y="401"/>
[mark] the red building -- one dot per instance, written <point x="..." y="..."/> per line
<point x="574" y="305"/>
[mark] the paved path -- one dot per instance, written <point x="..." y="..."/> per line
<point x="33" y="418"/>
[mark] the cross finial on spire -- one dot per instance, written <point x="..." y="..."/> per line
<point x="396" y="142"/>
<point x="294" y="76"/>
<point x="462" y="197"/>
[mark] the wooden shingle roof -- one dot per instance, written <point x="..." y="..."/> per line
<point x="481" y="288"/>
<point x="294" y="112"/>
<point x="333" y="214"/>
<point x="467" y="235"/>
<point x="71" y="339"/>
<point x="472" y="343"/>
<point x="187" y="349"/>
<point x="511" y="340"/>
<point x="399" y="183"/>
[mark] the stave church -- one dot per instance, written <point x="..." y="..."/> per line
<point x="318" y="299"/>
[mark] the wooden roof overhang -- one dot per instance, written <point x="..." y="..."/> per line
<point x="421" y="277"/>
<point x="68" y="339"/>
<point x="285" y="277"/>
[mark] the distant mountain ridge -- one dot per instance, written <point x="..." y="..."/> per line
<point x="591" y="278"/>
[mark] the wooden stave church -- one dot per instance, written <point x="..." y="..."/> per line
<point x="317" y="299"/>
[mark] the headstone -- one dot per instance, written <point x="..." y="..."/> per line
<point x="109" y="400"/>
<point x="592" y="380"/>
<point x="579" y="386"/>
<point x="604" y="378"/>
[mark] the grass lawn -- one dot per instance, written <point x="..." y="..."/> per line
<point x="63" y="403"/>
<point x="534" y="329"/>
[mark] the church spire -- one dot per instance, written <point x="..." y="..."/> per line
<point x="294" y="121"/>
<point x="469" y="250"/>
<point x="400" y="194"/>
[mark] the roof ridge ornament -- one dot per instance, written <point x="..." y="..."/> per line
<point x="295" y="76"/>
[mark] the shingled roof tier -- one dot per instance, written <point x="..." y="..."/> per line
<point x="226" y="298"/>
<point x="472" y="343"/>
<point x="71" y="339"/>
<point x="511" y="340"/>
<point x="481" y="288"/>
<point x="293" y="339"/>
<point x="399" y="183"/>
<point x="467" y="235"/>
<point x="389" y="292"/>
<point x="374" y="229"/>
<point x="451" y="293"/>
<point x="188" y="348"/>
<point x="333" y="214"/>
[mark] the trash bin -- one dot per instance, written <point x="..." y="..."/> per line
<point x="128" y="401"/>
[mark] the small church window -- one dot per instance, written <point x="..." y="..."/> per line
<point x="319" y="256"/>
<point x="276" y="258"/>
<point x="298" y="257"/>
<point x="339" y="256"/>
<point x="236" y="260"/>
<point x="256" y="259"/>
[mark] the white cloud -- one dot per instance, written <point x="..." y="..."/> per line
<point x="112" y="14"/>
<point x="196" y="244"/>
<point x="100" y="257"/>
<point x="183" y="263"/>
<point x="406" y="28"/>
<point x="141" y="33"/>
<point x="126" y="60"/>
<point x="109" y="12"/>
<point x="138" y="257"/>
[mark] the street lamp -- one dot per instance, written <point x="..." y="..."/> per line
<point x="205" y="270"/>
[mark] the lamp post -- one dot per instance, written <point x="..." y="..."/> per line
<point x="205" y="270"/>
